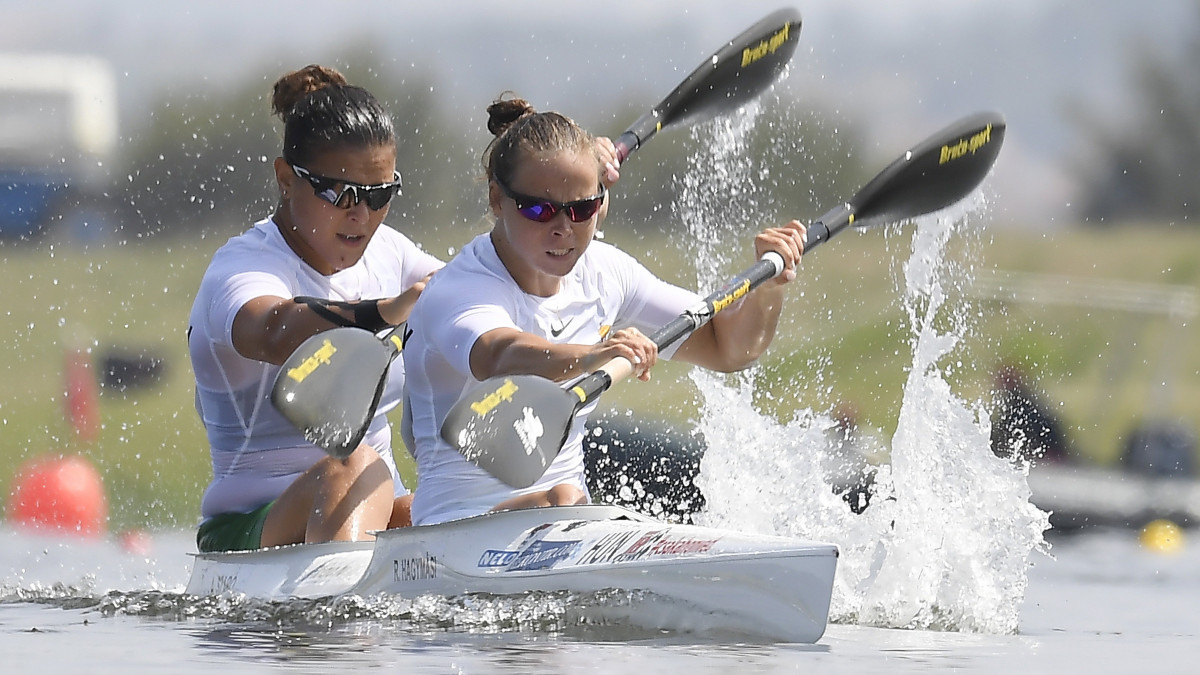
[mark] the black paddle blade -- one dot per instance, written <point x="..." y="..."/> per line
<point x="330" y="387"/>
<point x="511" y="427"/>
<point x="934" y="174"/>
<point x="741" y="70"/>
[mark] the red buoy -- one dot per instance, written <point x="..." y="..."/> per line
<point x="63" y="494"/>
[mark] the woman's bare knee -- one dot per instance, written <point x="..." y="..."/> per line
<point x="335" y="500"/>
<point x="401" y="512"/>
<point x="363" y="457"/>
<point x="565" y="495"/>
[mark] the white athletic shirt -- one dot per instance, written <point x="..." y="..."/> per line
<point x="475" y="294"/>
<point x="256" y="451"/>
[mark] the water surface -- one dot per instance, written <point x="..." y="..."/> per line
<point x="1102" y="602"/>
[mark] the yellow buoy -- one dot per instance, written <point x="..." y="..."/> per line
<point x="1162" y="536"/>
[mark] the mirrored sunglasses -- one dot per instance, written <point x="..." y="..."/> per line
<point x="345" y="194"/>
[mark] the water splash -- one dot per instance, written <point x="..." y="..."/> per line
<point x="717" y="195"/>
<point x="957" y="555"/>
<point x="946" y="540"/>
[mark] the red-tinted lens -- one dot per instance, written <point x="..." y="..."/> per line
<point x="543" y="210"/>
<point x="583" y="209"/>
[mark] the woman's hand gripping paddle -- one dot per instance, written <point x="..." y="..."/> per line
<point x="514" y="426"/>
<point x="330" y="386"/>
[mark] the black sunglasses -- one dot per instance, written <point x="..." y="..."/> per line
<point x="542" y="210"/>
<point x="344" y="194"/>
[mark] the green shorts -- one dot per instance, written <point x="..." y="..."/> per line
<point x="232" y="531"/>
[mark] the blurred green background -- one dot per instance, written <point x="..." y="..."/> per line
<point x="846" y="344"/>
<point x="1082" y="271"/>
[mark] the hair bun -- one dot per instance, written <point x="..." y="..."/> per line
<point x="294" y="86"/>
<point x="503" y="112"/>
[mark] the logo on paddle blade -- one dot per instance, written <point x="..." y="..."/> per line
<point x="488" y="403"/>
<point x="753" y="54"/>
<point x="966" y="145"/>
<point x="308" y="365"/>
<point x="529" y="429"/>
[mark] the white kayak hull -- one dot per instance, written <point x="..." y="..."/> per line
<point x="696" y="578"/>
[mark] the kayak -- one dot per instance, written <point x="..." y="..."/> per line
<point x="689" y="577"/>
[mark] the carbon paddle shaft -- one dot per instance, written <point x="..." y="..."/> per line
<point x="767" y="267"/>
<point x="938" y="172"/>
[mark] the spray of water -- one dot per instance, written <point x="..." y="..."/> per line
<point x="946" y="539"/>
<point x="963" y="528"/>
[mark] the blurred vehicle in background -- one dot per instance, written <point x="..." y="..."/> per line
<point x="58" y="133"/>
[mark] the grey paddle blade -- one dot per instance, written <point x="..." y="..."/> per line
<point x="330" y="387"/>
<point x="511" y="427"/>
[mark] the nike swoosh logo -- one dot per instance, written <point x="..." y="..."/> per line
<point x="558" y="327"/>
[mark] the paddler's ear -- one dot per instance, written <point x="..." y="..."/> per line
<point x="284" y="177"/>
<point x="495" y="196"/>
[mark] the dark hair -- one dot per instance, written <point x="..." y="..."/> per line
<point x="519" y="128"/>
<point x="320" y="111"/>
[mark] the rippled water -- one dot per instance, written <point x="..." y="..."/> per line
<point x="1102" y="602"/>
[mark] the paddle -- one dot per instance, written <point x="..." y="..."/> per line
<point x="513" y="426"/>
<point x="733" y="76"/>
<point x="330" y="386"/>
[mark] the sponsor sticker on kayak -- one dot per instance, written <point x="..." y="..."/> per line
<point x="567" y="544"/>
<point x="629" y="546"/>
<point x="494" y="558"/>
<point x="542" y="555"/>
